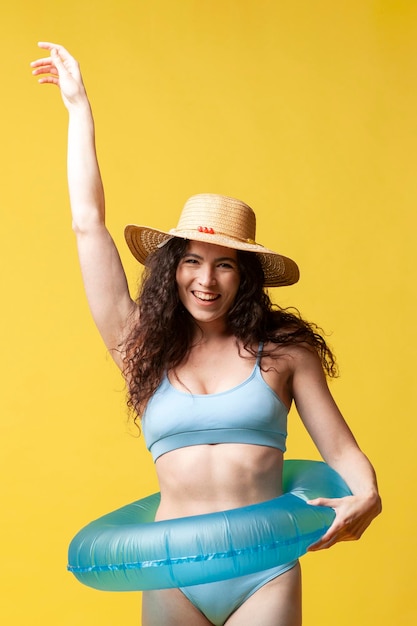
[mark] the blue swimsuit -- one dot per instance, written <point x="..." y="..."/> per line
<point x="249" y="413"/>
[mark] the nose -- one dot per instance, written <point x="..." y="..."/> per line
<point x="207" y="275"/>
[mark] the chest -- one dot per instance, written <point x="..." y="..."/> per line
<point x="212" y="372"/>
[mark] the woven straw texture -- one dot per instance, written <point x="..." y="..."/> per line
<point x="218" y="220"/>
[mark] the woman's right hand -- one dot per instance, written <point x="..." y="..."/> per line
<point x="60" y="69"/>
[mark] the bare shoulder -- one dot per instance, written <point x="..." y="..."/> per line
<point x="286" y="368"/>
<point x="293" y="355"/>
<point x="279" y="365"/>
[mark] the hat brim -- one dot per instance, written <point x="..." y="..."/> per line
<point x="278" y="269"/>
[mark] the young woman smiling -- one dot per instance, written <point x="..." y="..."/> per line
<point x="212" y="368"/>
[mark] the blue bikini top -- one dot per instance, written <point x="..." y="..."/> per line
<point x="250" y="413"/>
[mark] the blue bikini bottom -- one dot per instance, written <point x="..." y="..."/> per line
<point x="218" y="600"/>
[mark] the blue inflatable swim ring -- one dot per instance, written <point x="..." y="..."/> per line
<point x="126" y="550"/>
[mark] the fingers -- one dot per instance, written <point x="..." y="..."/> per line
<point x="47" y="45"/>
<point x="353" y="516"/>
<point x="52" y="68"/>
<point x="48" y="80"/>
<point x="331" y="537"/>
<point x="321" y="545"/>
<point x="57" y="60"/>
<point x="46" y="71"/>
<point x="59" y="54"/>
<point x="329" y="502"/>
<point x="43" y="66"/>
<point x="334" y="535"/>
<point x="62" y="70"/>
<point x="43" y="61"/>
<point x="46" y="65"/>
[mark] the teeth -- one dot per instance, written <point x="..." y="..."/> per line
<point x="205" y="296"/>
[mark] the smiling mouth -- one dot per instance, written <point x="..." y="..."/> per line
<point x="206" y="297"/>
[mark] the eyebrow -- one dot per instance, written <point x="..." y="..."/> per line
<point x="217" y="260"/>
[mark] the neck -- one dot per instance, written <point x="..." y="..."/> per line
<point x="208" y="333"/>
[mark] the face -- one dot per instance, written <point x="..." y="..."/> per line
<point x="208" y="280"/>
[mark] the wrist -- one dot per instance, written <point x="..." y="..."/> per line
<point x="78" y="104"/>
<point x="372" y="498"/>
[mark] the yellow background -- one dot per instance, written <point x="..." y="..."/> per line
<point x="307" y="111"/>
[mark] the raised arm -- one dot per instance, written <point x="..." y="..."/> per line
<point x="104" y="278"/>
<point x="338" y="448"/>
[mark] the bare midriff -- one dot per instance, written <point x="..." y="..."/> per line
<point x="207" y="478"/>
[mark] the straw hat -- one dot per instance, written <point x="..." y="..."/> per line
<point x="218" y="220"/>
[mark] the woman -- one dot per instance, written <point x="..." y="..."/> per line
<point x="212" y="369"/>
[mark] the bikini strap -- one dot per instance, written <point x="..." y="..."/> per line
<point x="260" y="350"/>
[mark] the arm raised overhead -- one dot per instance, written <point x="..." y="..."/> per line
<point x="103" y="275"/>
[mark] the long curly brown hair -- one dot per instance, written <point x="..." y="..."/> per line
<point x="163" y="336"/>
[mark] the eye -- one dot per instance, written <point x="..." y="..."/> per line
<point x="227" y="265"/>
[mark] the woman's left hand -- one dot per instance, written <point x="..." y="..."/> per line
<point x="353" y="516"/>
